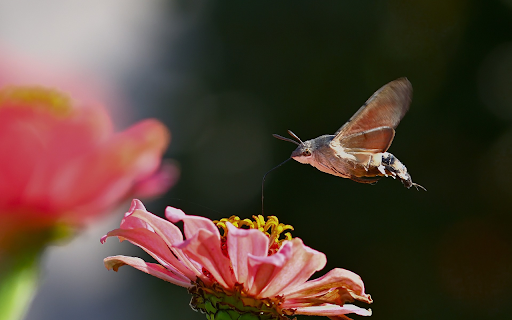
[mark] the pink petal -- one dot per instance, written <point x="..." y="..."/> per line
<point x="339" y="317"/>
<point x="150" y="268"/>
<point x="192" y="224"/>
<point x="344" y="280"/>
<point x="300" y="262"/>
<point x="204" y="247"/>
<point x="108" y="173"/>
<point x="154" y="246"/>
<point x="135" y="205"/>
<point x="240" y="244"/>
<point x="131" y="223"/>
<point x="23" y="138"/>
<point x="262" y="270"/>
<point x="169" y="233"/>
<point x="333" y="310"/>
<point x="157" y="183"/>
<point x="40" y="145"/>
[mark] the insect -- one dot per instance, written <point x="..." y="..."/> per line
<point x="358" y="150"/>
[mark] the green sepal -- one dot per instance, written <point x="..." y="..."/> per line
<point x="220" y="304"/>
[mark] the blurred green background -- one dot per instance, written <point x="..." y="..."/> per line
<point x="231" y="73"/>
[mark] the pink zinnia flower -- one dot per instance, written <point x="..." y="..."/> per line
<point x="243" y="271"/>
<point x="62" y="163"/>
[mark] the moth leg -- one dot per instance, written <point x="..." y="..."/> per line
<point x="367" y="165"/>
<point x="382" y="170"/>
<point x="367" y="180"/>
<point x="337" y="171"/>
<point x="363" y="160"/>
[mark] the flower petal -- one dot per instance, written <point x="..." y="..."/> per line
<point x="155" y="184"/>
<point x="169" y="233"/>
<point x="154" y="246"/>
<point x="111" y="170"/>
<point x="300" y="262"/>
<point x="191" y="224"/>
<point x="339" y="317"/>
<point x="135" y="205"/>
<point x="130" y="223"/>
<point x="333" y="310"/>
<point x="241" y="243"/>
<point x="348" y="286"/>
<point x="150" y="268"/>
<point x="262" y="270"/>
<point x="204" y="247"/>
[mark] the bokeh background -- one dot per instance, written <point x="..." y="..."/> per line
<point x="225" y="75"/>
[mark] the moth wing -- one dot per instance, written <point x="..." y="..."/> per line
<point x="376" y="140"/>
<point x="385" y="108"/>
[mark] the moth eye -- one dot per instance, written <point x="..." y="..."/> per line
<point x="306" y="153"/>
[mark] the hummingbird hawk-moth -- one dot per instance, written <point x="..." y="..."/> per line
<point x="358" y="150"/>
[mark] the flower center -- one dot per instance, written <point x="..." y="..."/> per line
<point x="234" y="304"/>
<point x="36" y="97"/>
<point x="271" y="227"/>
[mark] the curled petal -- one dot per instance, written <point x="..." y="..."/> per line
<point x="338" y="296"/>
<point x="168" y="232"/>
<point x="135" y="205"/>
<point x="130" y="223"/>
<point x="191" y="224"/>
<point x="300" y="262"/>
<point x="241" y="243"/>
<point x="337" y="286"/>
<point x="154" y="246"/>
<point x="333" y="310"/>
<point x="150" y="268"/>
<point x="205" y="249"/>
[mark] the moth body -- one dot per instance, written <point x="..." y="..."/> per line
<point x="357" y="165"/>
<point x="358" y="150"/>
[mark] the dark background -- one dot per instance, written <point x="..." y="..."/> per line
<point x="243" y="70"/>
<point x="264" y="67"/>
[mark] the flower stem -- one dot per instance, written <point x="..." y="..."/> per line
<point x="18" y="283"/>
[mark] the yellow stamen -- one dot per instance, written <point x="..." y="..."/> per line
<point x="271" y="227"/>
<point x="36" y="97"/>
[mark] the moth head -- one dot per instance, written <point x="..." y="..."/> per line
<point x="303" y="153"/>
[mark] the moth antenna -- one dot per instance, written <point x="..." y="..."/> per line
<point x="285" y="139"/>
<point x="295" y="136"/>
<point x="265" y="176"/>
<point x="418" y="186"/>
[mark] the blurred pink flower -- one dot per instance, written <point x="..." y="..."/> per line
<point x="62" y="163"/>
<point x="253" y="265"/>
